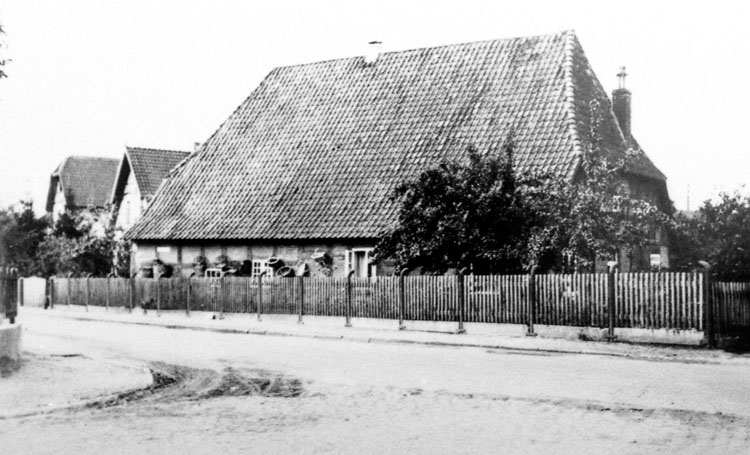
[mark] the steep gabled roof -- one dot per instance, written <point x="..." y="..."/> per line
<point x="315" y="151"/>
<point x="86" y="181"/>
<point x="149" y="166"/>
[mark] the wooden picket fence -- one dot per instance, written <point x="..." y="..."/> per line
<point x="642" y="300"/>
<point x="731" y="307"/>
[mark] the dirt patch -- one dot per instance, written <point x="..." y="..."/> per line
<point x="172" y="383"/>
<point x="8" y="366"/>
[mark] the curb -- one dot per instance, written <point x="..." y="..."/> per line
<point x="387" y="340"/>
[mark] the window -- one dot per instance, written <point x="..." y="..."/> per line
<point x="358" y="259"/>
<point x="654" y="234"/>
<point x="260" y="267"/>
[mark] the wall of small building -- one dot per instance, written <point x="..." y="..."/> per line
<point x="655" y="255"/>
<point x="182" y="256"/>
<point x="131" y="205"/>
<point x="59" y="206"/>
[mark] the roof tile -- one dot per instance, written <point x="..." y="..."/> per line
<point x="86" y="181"/>
<point x="315" y="151"/>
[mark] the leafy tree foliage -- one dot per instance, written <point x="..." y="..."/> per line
<point x="719" y="234"/>
<point x="574" y="224"/>
<point x="83" y="244"/>
<point x="79" y="244"/>
<point x="67" y="226"/>
<point x="21" y="233"/>
<point x="479" y="214"/>
<point x="459" y="215"/>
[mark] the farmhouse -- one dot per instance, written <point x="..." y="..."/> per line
<point x="304" y="167"/>
<point x="80" y="182"/>
<point x="139" y="175"/>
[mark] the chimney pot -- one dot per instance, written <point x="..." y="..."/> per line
<point x="373" y="52"/>
<point x="621" y="105"/>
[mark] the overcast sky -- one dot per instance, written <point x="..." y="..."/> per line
<point x="89" y="77"/>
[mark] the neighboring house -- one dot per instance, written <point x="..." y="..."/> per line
<point x="139" y="175"/>
<point x="306" y="164"/>
<point x="80" y="182"/>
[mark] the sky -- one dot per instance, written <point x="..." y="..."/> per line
<point x="89" y="77"/>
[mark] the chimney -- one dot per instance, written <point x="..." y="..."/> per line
<point x="196" y="146"/>
<point x="373" y="52"/>
<point x="621" y="104"/>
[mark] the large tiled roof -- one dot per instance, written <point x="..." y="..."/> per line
<point x="315" y="151"/>
<point x="86" y="181"/>
<point x="149" y="166"/>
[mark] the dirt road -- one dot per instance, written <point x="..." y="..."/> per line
<point x="382" y="398"/>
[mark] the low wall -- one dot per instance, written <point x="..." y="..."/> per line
<point x="661" y="336"/>
<point x="10" y="347"/>
<point x="634" y="335"/>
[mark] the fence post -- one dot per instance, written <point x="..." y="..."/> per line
<point x="401" y="299"/>
<point x="158" y="294"/>
<point x="69" y="291"/>
<point x="51" y="282"/>
<point x="11" y="302"/>
<point x="131" y="292"/>
<point x="187" y="300"/>
<point x="461" y="300"/>
<point x="532" y="300"/>
<point x="106" y="296"/>
<point x="349" y="298"/>
<point x="300" y="298"/>
<point x="222" y="295"/>
<point x="260" y="293"/>
<point x="612" y="269"/>
<point x="709" y="327"/>
<point x="88" y="291"/>
<point x="19" y="292"/>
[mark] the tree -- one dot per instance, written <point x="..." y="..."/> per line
<point x="575" y="224"/>
<point x="719" y="234"/>
<point x="79" y="245"/>
<point x="21" y="234"/>
<point x="67" y="226"/>
<point x="479" y="214"/>
<point x="593" y="218"/>
<point x="459" y="214"/>
<point x="686" y="247"/>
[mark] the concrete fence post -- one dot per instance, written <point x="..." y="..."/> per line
<point x="88" y="291"/>
<point x="187" y="298"/>
<point x="51" y="295"/>
<point x="612" y="269"/>
<point x="131" y="293"/>
<point x="260" y="293"/>
<point x="709" y="324"/>
<point x="11" y="284"/>
<point x="222" y="295"/>
<point x="300" y="298"/>
<point x="349" y="298"/>
<point x="460" y="282"/>
<point x="19" y="293"/>
<point x="106" y="297"/>
<point x="157" y="279"/>
<point x="532" y="297"/>
<point x="70" y="291"/>
<point x="401" y="299"/>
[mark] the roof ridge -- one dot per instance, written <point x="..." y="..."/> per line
<point x="84" y="157"/>
<point x="128" y="148"/>
<point x="570" y="96"/>
<point x="566" y="32"/>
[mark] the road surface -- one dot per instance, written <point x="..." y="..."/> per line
<point x="381" y="398"/>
